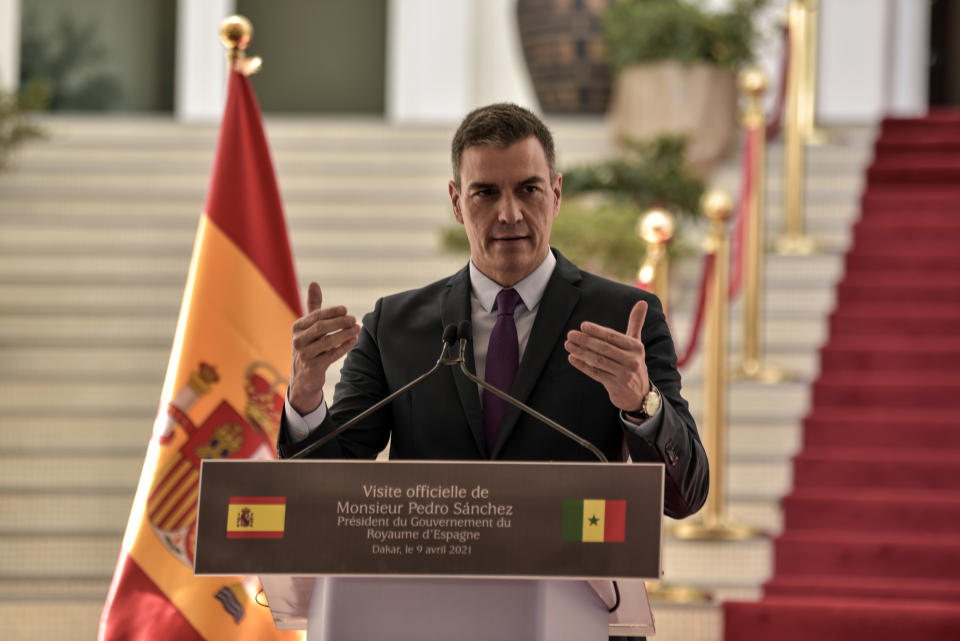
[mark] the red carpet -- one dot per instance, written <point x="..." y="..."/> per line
<point x="871" y="543"/>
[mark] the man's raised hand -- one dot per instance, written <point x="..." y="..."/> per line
<point x="617" y="361"/>
<point x="320" y="337"/>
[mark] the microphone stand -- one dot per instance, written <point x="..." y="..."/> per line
<point x="523" y="407"/>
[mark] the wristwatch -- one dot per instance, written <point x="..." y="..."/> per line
<point x="649" y="407"/>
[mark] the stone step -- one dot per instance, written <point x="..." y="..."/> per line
<point x="60" y="589"/>
<point x="687" y="622"/>
<point x="161" y="270"/>
<point x="86" y="436"/>
<point x="46" y="294"/>
<point x="178" y="243"/>
<point x="44" y="556"/>
<point x="73" y="513"/>
<point x="747" y="563"/>
<point x="43" y="619"/>
<point x="134" y="213"/>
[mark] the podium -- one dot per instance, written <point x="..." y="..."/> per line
<point x="438" y="549"/>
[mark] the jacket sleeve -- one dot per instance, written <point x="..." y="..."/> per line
<point x="362" y="383"/>
<point x="672" y="437"/>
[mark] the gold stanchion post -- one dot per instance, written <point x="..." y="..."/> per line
<point x="753" y="83"/>
<point x="794" y="240"/>
<point x="808" y="121"/>
<point x="656" y="228"/>
<point x="714" y="525"/>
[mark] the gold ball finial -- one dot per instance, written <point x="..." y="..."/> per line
<point x="656" y="226"/>
<point x="717" y="205"/>
<point x="236" y="32"/>
<point x="754" y="81"/>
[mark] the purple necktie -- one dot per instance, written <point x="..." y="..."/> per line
<point x="503" y="358"/>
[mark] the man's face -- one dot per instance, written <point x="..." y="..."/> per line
<point x="507" y="203"/>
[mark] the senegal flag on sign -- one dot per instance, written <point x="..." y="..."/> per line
<point x="594" y="520"/>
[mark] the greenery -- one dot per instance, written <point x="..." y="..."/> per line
<point x="15" y="126"/>
<point x="66" y="61"/>
<point x="601" y="236"/>
<point x="639" y="31"/>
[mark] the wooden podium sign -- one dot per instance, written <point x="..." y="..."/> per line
<point x="437" y="518"/>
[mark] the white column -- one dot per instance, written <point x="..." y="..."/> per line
<point x="908" y="89"/>
<point x="428" y="60"/>
<point x="9" y="44"/>
<point x="499" y="69"/>
<point x="201" y="73"/>
<point x="445" y="57"/>
<point x="853" y="78"/>
<point x="886" y="72"/>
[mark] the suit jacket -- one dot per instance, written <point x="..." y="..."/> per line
<point x="441" y="419"/>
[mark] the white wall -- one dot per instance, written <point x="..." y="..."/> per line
<point x="873" y="59"/>
<point x="445" y="57"/>
<point x="9" y="44"/>
<point x="201" y="73"/>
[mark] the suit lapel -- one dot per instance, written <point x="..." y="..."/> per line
<point x="558" y="302"/>
<point x="456" y="308"/>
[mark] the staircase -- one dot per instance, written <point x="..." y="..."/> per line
<point x="96" y="230"/>
<point x="869" y="549"/>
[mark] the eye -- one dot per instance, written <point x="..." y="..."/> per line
<point x="531" y="189"/>
<point x="483" y="193"/>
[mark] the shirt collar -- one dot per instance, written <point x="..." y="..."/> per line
<point x="531" y="288"/>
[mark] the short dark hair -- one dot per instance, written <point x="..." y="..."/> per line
<point x="499" y="125"/>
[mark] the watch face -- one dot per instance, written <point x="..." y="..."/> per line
<point x="651" y="403"/>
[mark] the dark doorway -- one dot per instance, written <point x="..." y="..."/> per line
<point x="319" y="57"/>
<point x="945" y="53"/>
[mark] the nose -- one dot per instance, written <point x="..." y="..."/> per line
<point x="510" y="211"/>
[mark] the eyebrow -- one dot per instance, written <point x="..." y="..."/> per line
<point x="527" y="181"/>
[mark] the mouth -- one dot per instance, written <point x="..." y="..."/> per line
<point x="509" y="239"/>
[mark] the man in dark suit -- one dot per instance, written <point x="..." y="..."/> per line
<point x="594" y="355"/>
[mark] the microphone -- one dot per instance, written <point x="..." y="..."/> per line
<point x="464" y="331"/>
<point x="449" y="336"/>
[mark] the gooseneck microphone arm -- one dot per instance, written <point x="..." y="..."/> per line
<point x="449" y="336"/>
<point x="463" y="333"/>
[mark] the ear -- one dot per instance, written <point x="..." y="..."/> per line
<point x="455" y="199"/>
<point x="557" y="193"/>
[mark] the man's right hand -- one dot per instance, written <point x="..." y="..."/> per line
<point x="320" y="337"/>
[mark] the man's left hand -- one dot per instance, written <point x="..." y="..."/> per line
<point x="617" y="361"/>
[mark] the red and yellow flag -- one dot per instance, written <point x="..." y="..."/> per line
<point x="222" y="398"/>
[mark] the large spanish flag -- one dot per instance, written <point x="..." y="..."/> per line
<point x="222" y="398"/>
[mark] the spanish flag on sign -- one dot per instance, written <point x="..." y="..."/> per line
<point x="256" y="517"/>
<point x="595" y="520"/>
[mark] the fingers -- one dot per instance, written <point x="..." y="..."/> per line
<point x="307" y="332"/>
<point x="314" y="297"/>
<point x="324" y="344"/>
<point x="637" y="315"/>
<point x="611" y="336"/>
<point x="596" y="374"/>
<point x="311" y="319"/>
<point x="596" y="353"/>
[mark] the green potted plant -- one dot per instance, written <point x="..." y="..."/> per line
<point x="675" y="66"/>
